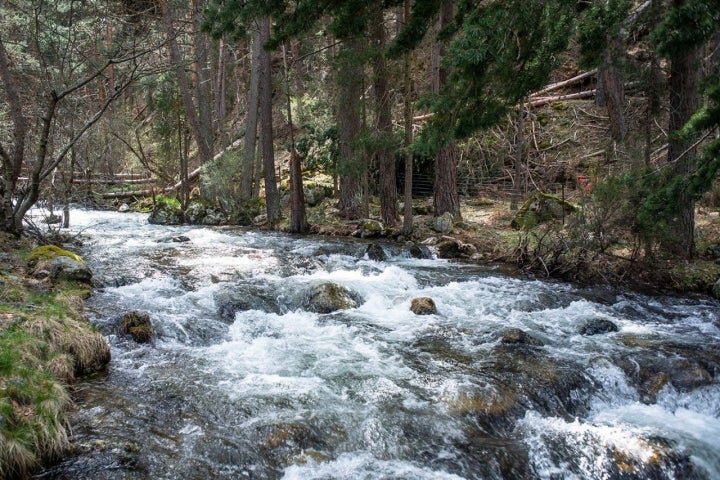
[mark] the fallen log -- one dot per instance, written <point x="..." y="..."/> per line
<point x="192" y="176"/>
<point x="537" y="102"/>
<point x="564" y="83"/>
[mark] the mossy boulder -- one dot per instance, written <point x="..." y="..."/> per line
<point x="423" y="306"/>
<point x="541" y="208"/>
<point x="166" y="214"/>
<point x="444" y="223"/>
<point x="369" y="228"/>
<point x="48" y="252"/>
<point x="137" y="325"/>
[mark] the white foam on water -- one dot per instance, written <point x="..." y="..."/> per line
<point x="361" y="465"/>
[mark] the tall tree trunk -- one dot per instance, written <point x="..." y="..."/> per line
<point x="202" y="75"/>
<point x="204" y="149"/>
<point x="445" y="195"/>
<point x="383" y="107"/>
<point x="12" y="161"/>
<point x="519" y="157"/>
<point x="613" y="90"/>
<point x="220" y="116"/>
<point x="684" y="81"/>
<point x="272" y="197"/>
<point x="251" y="124"/>
<point x="298" y="219"/>
<point x="350" y="165"/>
<point x="408" y="126"/>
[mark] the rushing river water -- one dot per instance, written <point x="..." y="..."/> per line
<point x="242" y="381"/>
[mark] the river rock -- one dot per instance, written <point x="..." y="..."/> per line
<point x="444" y="223"/>
<point x="369" y="228"/>
<point x="230" y="300"/>
<point x="124" y="208"/>
<point x="598" y="326"/>
<point x="423" y="306"/>
<point x="540" y="208"/>
<point x="329" y="297"/>
<point x="449" y="248"/>
<point x="716" y="289"/>
<point x="137" y="325"/>
<point x="519" y="336"/>
<point x="214" y="217"/>
<point x="417" y="250"/>
<point x="376" y="252"/>
<point x="195" y="212"/>
<point x="165" y="214"/>
<point x="65" y="268"/>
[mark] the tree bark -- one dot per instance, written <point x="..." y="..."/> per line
<point x="445" y="195"/>
<point x="408" y="125"/>
<point x="12" y="161"/>
<point x="613" y="90"/>
<point x="350" y="165"/>
<point x="202" y="76"/>
<point x="519" y="157"/>
<point x="386" y="159"/>
<point x="272" y="197"/>
<point x="298" y="219"/>
<point x="251" y="124"/>
<point x="684" y="81"/>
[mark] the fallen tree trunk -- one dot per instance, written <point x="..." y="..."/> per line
<point x="192" y="176"/>
<point x="564" y="83"/>
<point x="536" y="102"/>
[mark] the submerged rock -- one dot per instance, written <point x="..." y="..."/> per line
<point x="376" y="252"/>
<point x="329" y="297"/>
<point x="423" y="306"/>
<point x="417" y="250"/>
<point x="598" y="326"/>
<point x="137" y="325"/>
<point x="230" y="300"/>
<point x="519" y="336"/>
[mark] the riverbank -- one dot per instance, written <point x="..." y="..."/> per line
<point x="485" y="236"/>
<point x="46" y="343"/>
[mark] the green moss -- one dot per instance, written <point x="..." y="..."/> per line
<point x="48" y="252"/>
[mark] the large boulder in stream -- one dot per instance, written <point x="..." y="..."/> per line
<point x="330" y="297"/>
<point x="230" y="300"/>
<point x="423" y="306"/>
<point x="137" y="325"/>
<point x="65" y="268"/>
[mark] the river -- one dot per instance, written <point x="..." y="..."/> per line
<point x="504" y="382"/>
